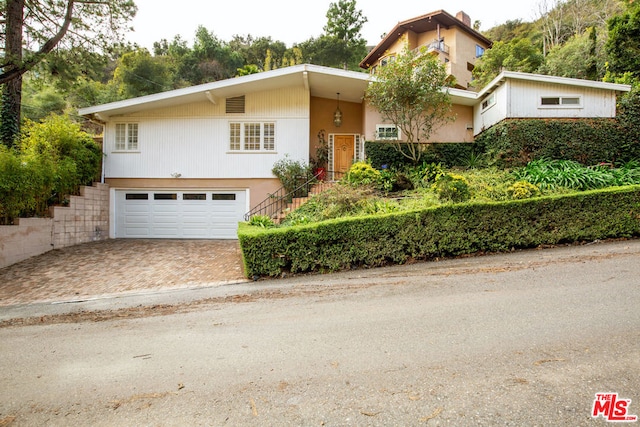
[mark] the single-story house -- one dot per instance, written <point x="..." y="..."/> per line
<point x="189" y="163"/>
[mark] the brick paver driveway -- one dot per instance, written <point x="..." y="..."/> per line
<point x="121" y="266"/>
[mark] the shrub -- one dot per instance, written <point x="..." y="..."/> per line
<point x="291" y="173"/>
<point x="52" y="160"/>
<point x="629" y="119"/>
<point x="393" y="181"/>
<point x="22" y="187"/>
<point x="452" y="187"/>
<point x="59" y="145"/>
<point x="628" y="174"/>
<point x="362" y="174"/>
<point x="263" y="221"/>
<point x="570" y="174"/>
<point x="522" y="190"/>
<point x="424" y="174"/>
<point x="489" y="184"/>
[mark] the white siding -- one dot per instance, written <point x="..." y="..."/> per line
<point x="193" y="140"/>
<point x="490" y="116"/>
<point x="521" y="99"/>
<point x="525" y="101"/>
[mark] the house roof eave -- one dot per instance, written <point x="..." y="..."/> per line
<point x="320" y="81"/>
<point x="541" y="78"/>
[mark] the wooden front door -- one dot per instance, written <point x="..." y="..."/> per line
<point x="343" y="152"/>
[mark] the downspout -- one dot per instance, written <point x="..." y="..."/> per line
<point x="96" y="118"/>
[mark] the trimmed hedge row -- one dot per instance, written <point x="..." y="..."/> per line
<point x="440" y="232"/>
<point x="447" y="153"/>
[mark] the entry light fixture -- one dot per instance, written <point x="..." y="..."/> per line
<point x="337" y="115"/>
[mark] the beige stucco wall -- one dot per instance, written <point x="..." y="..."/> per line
<point x="462" y="50"/>
<point x="321" y="117"/>
<point x="458" y="130"/>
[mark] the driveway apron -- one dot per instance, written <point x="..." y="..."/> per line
<point x="120" y="266"/>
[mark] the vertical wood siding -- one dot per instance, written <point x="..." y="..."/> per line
<point x="525" y="101"/>
<point x="485" y="119"/>
<point x="193" y="140"/>
<point x="521" y="99"/>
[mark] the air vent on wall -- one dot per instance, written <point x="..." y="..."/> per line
<point x="235" y="105"/>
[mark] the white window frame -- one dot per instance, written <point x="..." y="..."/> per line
<point x="387" y="129"/>
<point x="480" y="50"/>
<point x="252" y="137"/>
<point x="127" y="137"/>
<point x="488" y="102"/>
<point x="563" y="101"/>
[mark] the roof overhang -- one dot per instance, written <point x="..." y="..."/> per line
<point x="321" y="81"/>
<point x="540" y="78"/>
<point x="462" y="97"/>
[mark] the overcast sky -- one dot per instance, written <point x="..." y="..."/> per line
<point x="292" y="21"/>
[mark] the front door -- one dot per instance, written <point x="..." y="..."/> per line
<point x="343" y="153"/>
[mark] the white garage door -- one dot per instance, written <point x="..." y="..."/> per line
<point x="176" y="214"/>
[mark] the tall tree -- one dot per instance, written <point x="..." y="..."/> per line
<point x="410" y="93"/>
<point x="580" y="57"/>
<point x="344" y="24"/>
<point x="138" y="74"/>
<point x="516" y="55"/>
<point x="623" y="45"/>
<point x="32" y="29"/>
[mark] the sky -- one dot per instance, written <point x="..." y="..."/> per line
<point x="294" y="21"/>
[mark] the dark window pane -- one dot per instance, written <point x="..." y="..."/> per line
<point x="137" y="196"/>
<point x="550" y="101"/>
<point x="199" y="196"/>
<point x="165" y="196"/>
<point x="223" y="196"/>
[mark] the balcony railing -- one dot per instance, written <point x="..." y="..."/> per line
<point x="436" y="45"/>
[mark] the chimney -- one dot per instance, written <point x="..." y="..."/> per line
<point x="466" y="19"/>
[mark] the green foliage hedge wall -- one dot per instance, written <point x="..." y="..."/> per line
<point x="516" y="142"/>
<point x="443" y="231"/>
<point x="448" y="154"/>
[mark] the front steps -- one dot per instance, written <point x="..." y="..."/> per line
<point x="296" y="202"/>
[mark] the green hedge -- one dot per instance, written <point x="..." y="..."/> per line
<point x="448" y="154"/>
<point x="515" y="142"/>
<point x="440" y="232"/>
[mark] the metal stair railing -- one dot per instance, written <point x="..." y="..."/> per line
<point x="278" y="201"/>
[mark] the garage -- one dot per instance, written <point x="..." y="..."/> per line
<point x="179" y="214"/>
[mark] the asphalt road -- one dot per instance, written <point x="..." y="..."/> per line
<point x="522" y="339"/>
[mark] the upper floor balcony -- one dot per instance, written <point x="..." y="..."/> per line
<point x="435" y="46"/>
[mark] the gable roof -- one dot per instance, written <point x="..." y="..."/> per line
<point x="540" y="78"/>
<point x="321" y="81"/>
<point x="420" y="24"/>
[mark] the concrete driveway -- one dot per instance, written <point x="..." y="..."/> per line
<point x="122" y="266"/>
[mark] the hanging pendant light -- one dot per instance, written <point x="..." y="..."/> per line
<point x="337" y="115"/>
